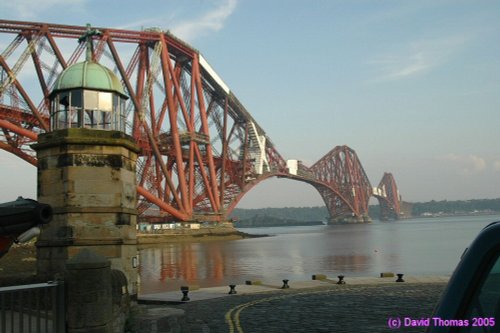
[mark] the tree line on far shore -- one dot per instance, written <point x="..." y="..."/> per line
<point x="456" y="207"/>
<point x="298" y="215"/>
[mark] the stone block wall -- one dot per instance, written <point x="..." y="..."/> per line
<point x="98" y="300"/>
<point x="88" y="177"/>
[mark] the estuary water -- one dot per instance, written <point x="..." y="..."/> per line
<point x="428" y="246"/>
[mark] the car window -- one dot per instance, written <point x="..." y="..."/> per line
<point x="484" y="310"/>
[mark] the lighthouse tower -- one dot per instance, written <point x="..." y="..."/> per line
<point x="86" y="171"/>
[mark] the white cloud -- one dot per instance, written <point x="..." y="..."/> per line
<point x="28" y="9"/>
<point x="187" y="29"/>
<point x="209" y="22"/>
<point x="149" y="22"/>
<point x="466" y="164"/>
<point x="416" y="58"/>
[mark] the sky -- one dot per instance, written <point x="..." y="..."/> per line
<point x="412" y="86"/>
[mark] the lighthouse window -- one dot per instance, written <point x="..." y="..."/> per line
<point x="105" y="101"/>
<point x="88" y="119"/>
<point x="98" y="107"/>
<point x="118" y="113"/>
<point x="90" y="100"/>
<point x="76" y="98"/>
<point x="75" y="108"/>
<point x="106" y="120"/>
<point x="88" y="109"/>
<point x="94" y="100"/>
<point x="60" y="109"/>
<point x="63" y="101"/>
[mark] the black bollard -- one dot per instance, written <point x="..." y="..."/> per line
<point x="400" y="278"/>
<point x="341" y="279"/>
<point x="285" y="284"/>
<point x="232" y="291"/>
<point x="185" y="291"/>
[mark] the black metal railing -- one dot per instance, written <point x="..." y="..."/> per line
<point x="33" y="308"/>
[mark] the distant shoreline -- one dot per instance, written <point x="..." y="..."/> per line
<point x="443" y="208"/>
<point x="264" y="224"/>
<point x="187" y="236"/>
<point x="455" y="215"/>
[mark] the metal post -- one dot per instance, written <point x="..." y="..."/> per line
<point x="38" y="293"/>
<point x="185" y="291"/>
<point x="12" y="312"/>
<point x="3" y="309"/>
<point x="60" y="310"/>
<point x="46" y="315"/>
<point x="232" y="291"/>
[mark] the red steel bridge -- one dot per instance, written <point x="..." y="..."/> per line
<point x="201" y="149"/>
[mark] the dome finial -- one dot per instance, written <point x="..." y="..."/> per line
<point x="87" y="37"/>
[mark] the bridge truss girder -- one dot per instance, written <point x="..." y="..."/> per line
<point x="389" y="198"/>
<point x="199" y="146"/>
<point x="201" y="151"/>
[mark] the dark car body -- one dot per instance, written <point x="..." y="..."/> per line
<point x="471" y="300"/>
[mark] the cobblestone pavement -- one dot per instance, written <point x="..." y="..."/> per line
<point x="345" y="308"/>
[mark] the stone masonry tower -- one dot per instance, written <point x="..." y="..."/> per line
<point x="86" y="171"/>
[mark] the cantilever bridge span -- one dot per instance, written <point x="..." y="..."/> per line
<point x="201" y="150"/>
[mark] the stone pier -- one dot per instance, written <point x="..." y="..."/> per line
<point x="88" y="177"/>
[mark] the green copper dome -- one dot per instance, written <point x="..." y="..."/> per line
<point x="88" y="75"/>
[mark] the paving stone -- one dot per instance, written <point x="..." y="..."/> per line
<point x="333" y="308"/>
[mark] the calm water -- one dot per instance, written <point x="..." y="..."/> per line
<point x="413" y="247"/>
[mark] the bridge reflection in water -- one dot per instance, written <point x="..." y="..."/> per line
<point x="412" y="247"/>
<point x="296" y="254"/>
